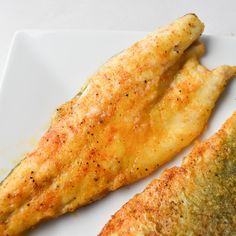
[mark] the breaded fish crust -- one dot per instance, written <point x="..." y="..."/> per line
<point x="198" y="198"/>
<point x="134" y="114"/>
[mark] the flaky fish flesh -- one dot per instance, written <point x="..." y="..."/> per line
<point x="198" y="198"/>
<point x="133" y="115"/>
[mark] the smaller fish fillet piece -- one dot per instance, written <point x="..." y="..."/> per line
<point x="197" y="198"/>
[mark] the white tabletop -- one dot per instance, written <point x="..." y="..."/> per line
<point x="143" y="15"/>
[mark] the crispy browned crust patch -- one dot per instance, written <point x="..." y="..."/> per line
<point x="197" y="198"/>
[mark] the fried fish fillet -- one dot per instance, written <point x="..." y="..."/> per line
<point x="198" y="198"/>
<point x="131" y="112"/>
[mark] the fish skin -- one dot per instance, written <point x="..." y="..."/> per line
<point x="97" y="141"/>
<point x="197" y="198"/>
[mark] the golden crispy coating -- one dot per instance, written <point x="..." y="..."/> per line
<point x="132" y="111"/>
<point x="197" y="198"/>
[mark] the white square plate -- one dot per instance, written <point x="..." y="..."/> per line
<point x="46" y="68"/>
